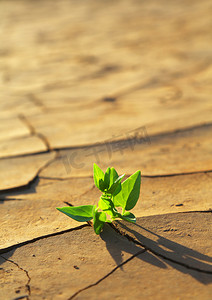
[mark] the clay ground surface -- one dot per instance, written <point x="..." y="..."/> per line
<point x="124" y="83"/>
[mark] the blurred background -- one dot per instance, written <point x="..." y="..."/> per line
<point x="81" y="73"/>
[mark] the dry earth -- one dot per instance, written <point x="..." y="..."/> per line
<point x="123" y="83"/>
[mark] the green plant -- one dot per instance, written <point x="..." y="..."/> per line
<point x="114" y="194"/>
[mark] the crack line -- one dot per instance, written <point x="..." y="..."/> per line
<point x="10" y="199"/>
<point x="57" y="156"/>
<point x="27" y="285"/>
<point x="45" y="141"/>
<point x="178" y="174"/>
<point x="19" y="245"/>
<point x="36" y="101"/>
<point x="148" y="137"/>
<point x="110" y="273"/>
<point x="37" y="177"/>
<point x="122" y="233"/>
<point x="33" y="132"/>
<point x="32" y="181"/>
<point x="25" y="155"/>
<point x="207" y="172"/>
<point x="27" y="124"/>
<point x="102" y="143"/>
<point x="66" y="178"/>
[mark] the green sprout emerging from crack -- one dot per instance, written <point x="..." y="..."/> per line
<point x="114" y="194"/>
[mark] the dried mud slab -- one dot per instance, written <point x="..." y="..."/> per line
<point x="12" y="105"/>
<point x="59" y="266"/>
<point x="150" y="277"/>
<point x="185" y="151"/>
<point x="185" y="238"/>
<point x="22" y="146"/>
<point x="12" y="128"/>
<point x="35" y="213"/>
<point x="183" y="193"/>
<point x="48" y="189"/>
<point x="19" y="171"/>
<point x="13" y="281"/>
<point x="113" y="120"/>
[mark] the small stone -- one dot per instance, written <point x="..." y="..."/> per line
<point x="76" y="267"/>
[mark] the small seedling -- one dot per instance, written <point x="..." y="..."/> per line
<point x="114" y="194"/>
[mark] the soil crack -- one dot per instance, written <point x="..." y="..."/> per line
<point x="33" y="131"/>
<point x="122" y="233"/>
<point x="19" y="245"/>
<point x="36" y="101"/>
<point x="33" y="180"/>
<point x="107" y="275"/>
<point x="207" y="173"/>
<point x="27" y="285"/>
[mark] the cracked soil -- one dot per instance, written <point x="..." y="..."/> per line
<point x="122" y="83"/>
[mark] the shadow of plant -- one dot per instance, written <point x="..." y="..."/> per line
<point x="163" y="252"/>
<point x="116" y="245"/>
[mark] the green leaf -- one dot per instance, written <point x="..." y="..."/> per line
<point x="113" y="176"/>
<point x="98" y="176"/>
<point x="101" y="185"/>
<point x="107" y="179"/>
<point x="116" y="186"/>
<point x="133" y="185"/>
<point x="129" y="194"/>
<point x="112" y="181"/>
<point x="99" y="218"/>
<point x="128" y="216"/>
<point x="82" y="213"/>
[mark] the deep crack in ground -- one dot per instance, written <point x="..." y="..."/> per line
<point x="122" y="233"/>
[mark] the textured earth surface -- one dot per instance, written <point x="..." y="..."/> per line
<point x="123" y="83"/>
